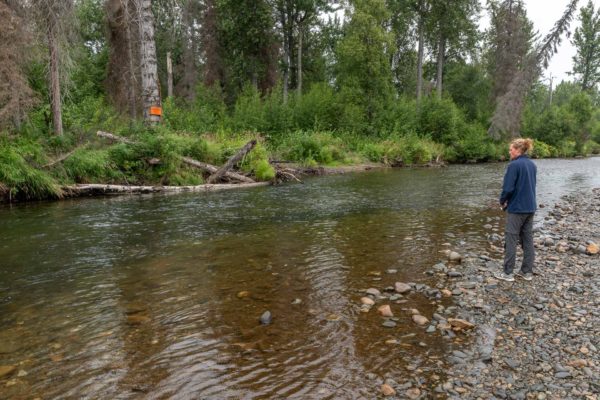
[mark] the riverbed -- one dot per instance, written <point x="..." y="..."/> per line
<point x="159" y="296"/>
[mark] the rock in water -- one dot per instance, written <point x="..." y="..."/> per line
<point x="373" y="292"/>
<point x="402" y="287"/>
<point x="367" y="301"/>
<point x="454" y="257"/>
<point x="385" y="311"/>
<point x="420" y="320"/>
<point x="243" y="294"/>
<point x="387" y="390"/>
<point x="266" y="318"/>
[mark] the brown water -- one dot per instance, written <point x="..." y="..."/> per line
<point x="137" y="297"/>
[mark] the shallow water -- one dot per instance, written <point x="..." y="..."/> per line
<point x="137" y="297"/>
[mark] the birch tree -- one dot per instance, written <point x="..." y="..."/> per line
<point x="148" y="64"/>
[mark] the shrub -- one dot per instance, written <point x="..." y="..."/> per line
<point x="248" y="113"/>
<point x="85" y="166"/>
<point x="18" y="179"/>
<point x="591" y="147"/>
<point x="318" y="109"/>
<point x="474" y="145"/>
<point x="541" y="150"/>
<point x="440" y="120"/>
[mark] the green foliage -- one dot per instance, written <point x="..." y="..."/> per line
<point x="542" y="150"/>
<point x="90" y="166"/>
<point x="18" y="178"/>
<point x="317" y="109"/>
<point x="591" y="147"/>
<point x="586" y="63"/>
<point x="314" y="148"/>
<point x="248" y="113"/>
<point x="263" y="170"/>
<point x="475" y="145"/>
<point x="440" y="120"/>
<point x="206" y="114"/>
<point x="363" y="69"/>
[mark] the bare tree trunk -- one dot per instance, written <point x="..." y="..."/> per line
<point x="213" y="66"/>
<point x="169" y="75"/>
<point x="420" y="58"/>
<point x="55" y="99"/>
<point x="186" y="86"/>
<point x="149" y="72"/>
<point x="286" y="55"/>
<point x="132" y="81"/>
<point x="440" y="65"/>
<point x="299" y="71"/>
<point x="122" y="82"/>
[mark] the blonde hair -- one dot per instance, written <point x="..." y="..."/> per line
<point x="523" y="145"/>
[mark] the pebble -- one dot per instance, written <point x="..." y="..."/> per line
<point x="266" y="318"/>
<point x="389" y="324"/>
<point x="385" y="310"/>
<point x="387" y="390"/>
<point x="367" y="301"/>
<point x="373" y="292"/>
<point x="402" y="287"/>
<point x="420" y="320"/>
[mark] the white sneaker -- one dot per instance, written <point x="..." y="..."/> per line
<point x="504" y="277"/>
<point x="527" y="275"/>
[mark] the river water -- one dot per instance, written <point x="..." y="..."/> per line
<point x="159" y="296"/>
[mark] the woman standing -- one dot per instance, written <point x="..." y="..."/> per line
<point x="518" y="198"/>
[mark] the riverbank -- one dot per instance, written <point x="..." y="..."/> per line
<point x="538" y="339"/>
<point x="36" y="167"/>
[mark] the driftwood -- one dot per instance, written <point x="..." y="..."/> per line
<point x="285" y="174"/>
<point x="211" y="169"/>
<point x="232" y="161"/>
<point x="96" y="188"/>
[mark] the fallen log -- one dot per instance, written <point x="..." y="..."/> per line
<point x="114" y="138"/>
<point x="211" y="169"/>
<point x="60" y="159"/>
<point x="232" y="161"/>
<point x="98" y="188"/>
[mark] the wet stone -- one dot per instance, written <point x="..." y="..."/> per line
<point x="389" y="324"/>
<point x="562" y="375"/>
<point x="266" y="318"/>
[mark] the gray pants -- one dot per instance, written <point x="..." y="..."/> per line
<point x="519" y="229"/>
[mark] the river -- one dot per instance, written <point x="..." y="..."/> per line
<point x="159" y="296"/>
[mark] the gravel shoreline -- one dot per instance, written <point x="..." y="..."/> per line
<point x="538" y="339"/>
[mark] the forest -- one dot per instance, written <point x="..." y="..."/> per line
<point x="314" y="82"/>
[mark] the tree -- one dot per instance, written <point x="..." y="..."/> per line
<point x="52" y="17"/>
<point x="295" y="19"/>
<point x="148" y="63"/>
<point x="122" y="83"/>
<point x="247" y="45"/>
<point x="364" y="74"/>
<point x="586" y="63"/>
<point x="509" y="106"/>
<point x="452" y="26"/>
<point x="16" y="97"/>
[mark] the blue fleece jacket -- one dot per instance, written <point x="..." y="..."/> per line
<point x="519" y="186"/>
